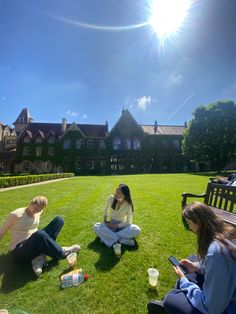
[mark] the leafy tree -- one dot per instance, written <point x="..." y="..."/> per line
<point x="211" y="134"/>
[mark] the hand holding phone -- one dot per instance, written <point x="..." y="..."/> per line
<point x="175" y="262"/>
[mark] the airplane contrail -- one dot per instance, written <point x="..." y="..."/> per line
<point x="177" y="109"/>
<point x="97" y="27"/>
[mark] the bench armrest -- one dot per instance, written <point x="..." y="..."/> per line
<point x="186" y="195"/>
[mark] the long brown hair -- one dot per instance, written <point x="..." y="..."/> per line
<point x="210" y="228"/>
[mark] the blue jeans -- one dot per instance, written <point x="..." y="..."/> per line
<point x="41" y="242"/>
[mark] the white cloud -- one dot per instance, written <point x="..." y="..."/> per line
<point x="143" y="102"/>
<point x="72" y="113"/>
<point x="175" y="79"/>
<point x="84" y="116"/>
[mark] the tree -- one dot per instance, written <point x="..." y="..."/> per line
<point x="211" y="134"/>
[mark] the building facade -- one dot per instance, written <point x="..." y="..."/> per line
<point x="92" y="149"/>
<point x="8" y="140"/>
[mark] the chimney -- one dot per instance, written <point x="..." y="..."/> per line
<point x="63" y="125"/>
<point x="155" y="126"/>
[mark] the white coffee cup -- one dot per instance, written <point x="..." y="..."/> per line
<point x="72" y="259"/>
<point x="153" y="277"/>
<point x="117" y="249"/>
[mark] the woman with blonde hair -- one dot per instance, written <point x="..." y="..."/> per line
<point x="30" y="244"/>
<point x="210" y="285"/>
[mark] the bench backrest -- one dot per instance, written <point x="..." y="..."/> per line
<point x="221" y="196"/>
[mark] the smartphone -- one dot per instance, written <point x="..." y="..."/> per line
<point x="175" y="262"/>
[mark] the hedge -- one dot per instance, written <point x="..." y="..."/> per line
<point x="21" y="180"/>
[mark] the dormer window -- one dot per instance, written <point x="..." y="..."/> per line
<point x="51" y="139"/>
<point x="26" y="139"/>
<point x="39" y="139"/>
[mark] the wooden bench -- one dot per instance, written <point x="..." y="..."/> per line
<point x="220" y="197"/>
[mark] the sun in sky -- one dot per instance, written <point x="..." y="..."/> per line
<point x="167" y="16"/>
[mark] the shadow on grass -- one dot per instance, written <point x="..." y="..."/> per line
<point x="206" y="174"/>
<point x="15" y="276"/>
<point x="107" y="259"/>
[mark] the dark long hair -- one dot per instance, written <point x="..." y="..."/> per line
<point x="210" y="228"/>
<point x="125" y="190"/>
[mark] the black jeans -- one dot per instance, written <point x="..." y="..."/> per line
<point x="40" y="242"/>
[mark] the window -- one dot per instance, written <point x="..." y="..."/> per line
<point x="102" y="162"/>
<point x="79" y="144"/>
<point x="79" y="163"/>
<point x="102" y="144"/>
<point x="90" y="144"/>
<point x="39" y="139"/>
<point x="26" y="167"/>
<point x="121" y="167"/>
<point x="26" y="139"/>
<point x="113" y="166"/>
<point x="91" y="163"/>
<point x="26" y="151"/>
<point x="66" y="144"/>
<point x="127" y="143"/>
<point x="116" y="143"/>
<point x="51" y="139"/>
<point x="50" y="151"/>
<point x="48" y="166"/>
<point x="136" y="144"/>
<point x="113" y="158"/>
<point x="38" y="151"/>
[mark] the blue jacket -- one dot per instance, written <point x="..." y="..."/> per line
<point x="219" y="289"/>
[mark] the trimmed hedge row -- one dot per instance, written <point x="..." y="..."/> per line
<point x="21" y="180"/>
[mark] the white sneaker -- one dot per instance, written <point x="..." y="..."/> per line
<point x="37" y="264"/>
<point x="129" y="242"/>
<point x="71" y="249"/>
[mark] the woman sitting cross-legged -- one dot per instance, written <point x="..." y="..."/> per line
<point x="30" y="244"/>
<point x="210" y="285"/>
<point x="118" y="216"/>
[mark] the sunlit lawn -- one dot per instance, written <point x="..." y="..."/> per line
<point x="115" y="285"/>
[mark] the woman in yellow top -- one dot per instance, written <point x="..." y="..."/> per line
<point x="118" y="217"/>
<point x="30" y="244"/>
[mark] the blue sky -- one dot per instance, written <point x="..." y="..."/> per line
<point x="57" y="60"/>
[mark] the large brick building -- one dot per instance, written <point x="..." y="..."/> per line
<point x="92" y="149"/>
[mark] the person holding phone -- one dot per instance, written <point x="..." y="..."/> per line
<point x="30" y="244"/>
<point x="118" y="217"/>
<point x="210" y="286"/>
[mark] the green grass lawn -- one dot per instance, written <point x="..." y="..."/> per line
<point x="115" y="285"/>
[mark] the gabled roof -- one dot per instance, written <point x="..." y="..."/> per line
<point x="126" y="116"/>
<point x="164" y="129"/>
<point x="47" y="129"/>
<point x="24" y="117"/>
<point x="40" y="134"/>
